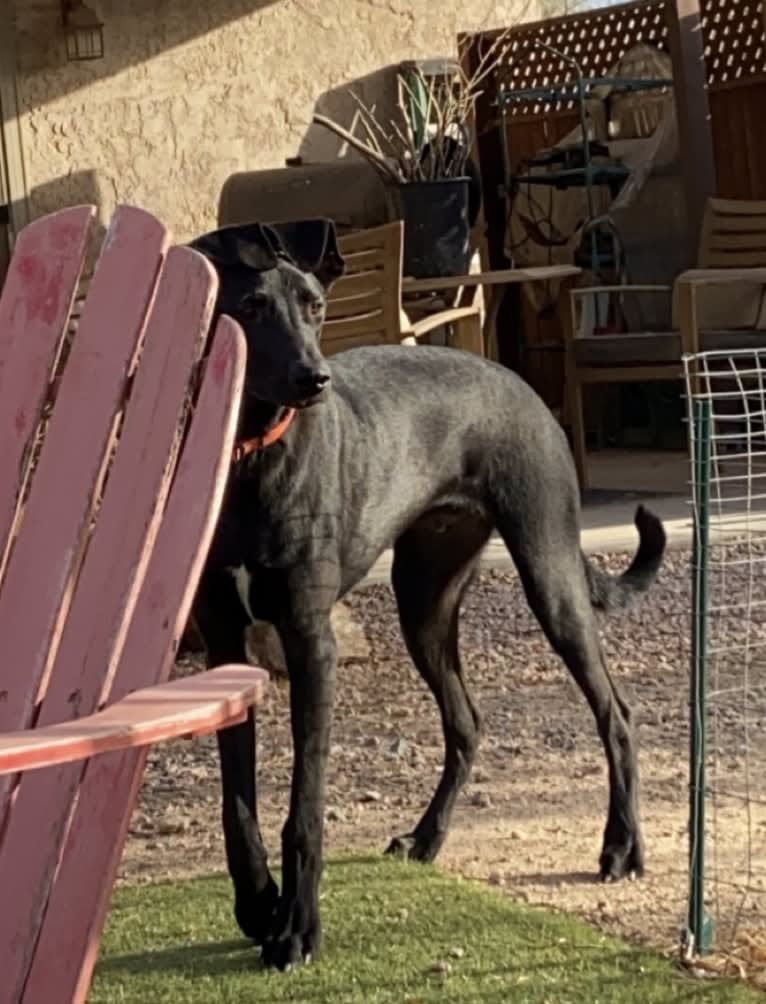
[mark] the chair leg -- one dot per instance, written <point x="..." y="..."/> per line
<point x="573" y="409"/>
<point x="578" y="435"/>
<point x="466" y="334"/>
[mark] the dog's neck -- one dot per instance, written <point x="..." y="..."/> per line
<point x="258" y="418"/>
<point x="261" y="426"/>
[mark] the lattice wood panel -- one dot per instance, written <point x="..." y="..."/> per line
<point x="734" y="40"/>
<point x="596" y="39"/>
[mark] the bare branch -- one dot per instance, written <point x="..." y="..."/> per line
<point x="376" y="159"/>
<point x="396" y="149"/>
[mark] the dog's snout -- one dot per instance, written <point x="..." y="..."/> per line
<point x="309" y="381"/>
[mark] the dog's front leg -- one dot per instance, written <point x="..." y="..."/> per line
<point x="310" y="655"/>
<point x="222" y="621"/>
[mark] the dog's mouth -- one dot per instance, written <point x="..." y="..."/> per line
<point x="300" y="404"/>
<point x="309" y="402"/>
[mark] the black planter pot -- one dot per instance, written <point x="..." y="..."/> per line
<point x="436" y="228"/>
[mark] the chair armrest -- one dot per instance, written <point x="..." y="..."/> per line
<point x="721" y="276"/>
<point x="581" y="291"/>
<point x="193" y="705"/>
<point x="685" y="292"/>
<point x="573" y="321"/>
<point x="443" y="317"/>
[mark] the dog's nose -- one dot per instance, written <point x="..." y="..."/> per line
<point x="307" y="381"/>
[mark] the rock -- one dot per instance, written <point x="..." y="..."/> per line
<point x="370" y="796"/>
<point x="167" y="827"/>
<point x="481" y="800"/>
<point x="398" y="747"/>
<point x="263" y="646"/>
<point x="442" y="966"/>
<point x="495" y="878"/>
<point x="457" y="952"/>
<point x="333" y="815"/>
<point x="349" y="635"/>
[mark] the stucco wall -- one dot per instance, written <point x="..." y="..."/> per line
<point x="190" y="92"/>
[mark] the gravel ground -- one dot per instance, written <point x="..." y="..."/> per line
<point x="531" y="819"/>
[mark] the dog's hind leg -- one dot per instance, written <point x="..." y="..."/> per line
<point x="222" y="621"/>
<point x="545" y="548"/>
<point x="434" y="561"/>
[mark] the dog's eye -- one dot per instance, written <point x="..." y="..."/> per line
<point x="253" y="304"/>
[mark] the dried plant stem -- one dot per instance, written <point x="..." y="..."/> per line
<point x="375" y="130"/>
<point x="396" y="149"/>
<point x="378" y="161"/>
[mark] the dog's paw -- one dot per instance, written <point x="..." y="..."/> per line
<point x="285" y="952"/>
<point x="284" y="948"/>
<point x="294" y="936"/>
<point x="401" y="847"/>
<point x="254" y="912"/>
<point x="620" y="861"/>
<point x="409" y="848"/>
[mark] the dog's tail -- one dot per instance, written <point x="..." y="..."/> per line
<point x="609" y="592"/>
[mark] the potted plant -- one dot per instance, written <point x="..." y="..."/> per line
<point x="423" y="153"/>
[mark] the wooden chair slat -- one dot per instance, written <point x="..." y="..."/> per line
<point x="68" y="942"/>
<point x="723" y="257"/>
<point x="57" y="515"/>
<point x="739" y="240"/>
<point x="372" y="323"/>
<point x="352" y="306"/>
<point x="34" y="308"/>
<point x="354" y="340"/>
<point x="118" y="552"/>
<point x="736" y="207"/>
<point x="356" y="284"/>
<point x="192" y="705"/>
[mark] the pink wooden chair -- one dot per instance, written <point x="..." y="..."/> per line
<point x="108" y="501"/>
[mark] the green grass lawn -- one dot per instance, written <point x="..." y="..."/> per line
<point x="389" y="928"/>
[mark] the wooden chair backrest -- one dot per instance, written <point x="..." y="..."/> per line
<point x="364" y="305"/>
<point x="109" y="494"/>
<point x="733" y="234"/>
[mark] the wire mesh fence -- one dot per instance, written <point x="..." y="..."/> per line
<point x="726" y="394"/>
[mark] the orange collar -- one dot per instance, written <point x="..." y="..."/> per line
<point x="248" y="446"/>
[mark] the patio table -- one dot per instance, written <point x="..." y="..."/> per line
<point x="494" y="283"/>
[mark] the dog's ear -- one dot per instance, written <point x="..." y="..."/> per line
<point x="251" y="245"/>
<point x="313" y="246"/>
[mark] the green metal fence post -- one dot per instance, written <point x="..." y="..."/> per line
<point x="700" y="928"/>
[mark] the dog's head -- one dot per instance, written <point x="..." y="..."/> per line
<point x="273" y="280"/>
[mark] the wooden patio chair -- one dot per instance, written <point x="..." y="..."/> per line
<point x="365" y="305"/>
<point x="731" y="261"/>
<point x="111" y="479"/>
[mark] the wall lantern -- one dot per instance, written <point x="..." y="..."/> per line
<point x="83" y="31"/>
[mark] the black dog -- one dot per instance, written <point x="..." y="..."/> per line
<point x="426" y="450"/>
